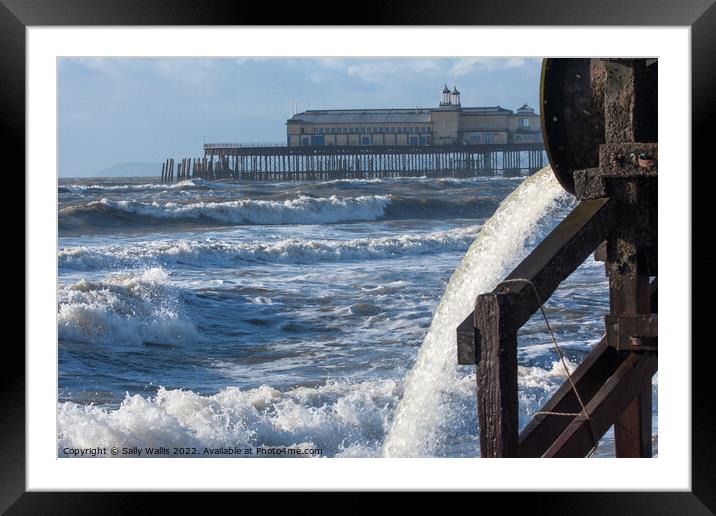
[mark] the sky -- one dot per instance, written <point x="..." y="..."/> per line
<point x="117" y="110"/>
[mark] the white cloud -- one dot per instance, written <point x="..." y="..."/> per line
<point x="468" y="64"/>
<point x="378" y="71"/>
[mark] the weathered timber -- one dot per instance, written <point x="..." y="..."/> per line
<point x="590" y="374"/>
<point x="497" y="406"/>
<point x="612" y="399"/>
<point x="600" y="253"/>
<point x="588" y="377"/>
<point x="466" y="341"/>
<point x="632" y="430"/>
<point x="633" y="332"/>
<point x="555" y="258"/>
<point x="631" y="260"/>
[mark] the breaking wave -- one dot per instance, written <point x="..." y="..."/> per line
<point x="341" y="419"/>
<point x="128" y="308"/>
<point x="140" y="187"/>
<point x="107" y="213"/>
<point x="222" y="252"/>
<point x="301" y="210"/>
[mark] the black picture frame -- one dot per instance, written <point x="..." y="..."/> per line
<point x="700" y="15"/>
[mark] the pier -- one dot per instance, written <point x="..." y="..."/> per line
<point x="266" y="162"/>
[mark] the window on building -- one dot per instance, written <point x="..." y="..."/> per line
<point x="525" y="123"/>
<point x="357" y="129"/>
<point x="392" y="129"/>
<point x="430" y="129"/>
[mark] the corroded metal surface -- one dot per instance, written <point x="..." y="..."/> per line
<point x="572" y="98"/>
<point x="589" y="102"/>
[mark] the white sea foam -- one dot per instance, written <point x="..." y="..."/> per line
<point x="301" y="210"/>
<point x="137" y="187"/>
<point x="223" y="252"/>
<point x="128" y="308"/>
<point x="340" y="418"/>
<point x="421" y="179"/>
<point x="335" y="417"/>
<point x="430" y="412"/>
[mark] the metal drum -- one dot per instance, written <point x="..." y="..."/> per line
<point x="572" y="99"/>
<point x="572" y="94"/>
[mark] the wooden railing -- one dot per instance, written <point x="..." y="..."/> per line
<point x="488" y="338"/>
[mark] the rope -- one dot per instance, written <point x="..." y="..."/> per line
<point x="566" y="369"/>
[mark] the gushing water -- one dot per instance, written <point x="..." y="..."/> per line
<point x="431" y="414"/>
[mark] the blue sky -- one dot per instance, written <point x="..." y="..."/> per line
<point x="114" y="111"/>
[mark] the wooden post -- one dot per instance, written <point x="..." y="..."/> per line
<point x="629" y="295"/>
<point x="497" y="406"/>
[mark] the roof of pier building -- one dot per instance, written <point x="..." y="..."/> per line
<point x="396" y="116"/>
<point x="526" y="110"/>
<point x="368" y="116"/>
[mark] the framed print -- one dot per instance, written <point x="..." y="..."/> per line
<point x="419" y="252"/>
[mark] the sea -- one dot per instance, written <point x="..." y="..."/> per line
<point x="310" y="319"/>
